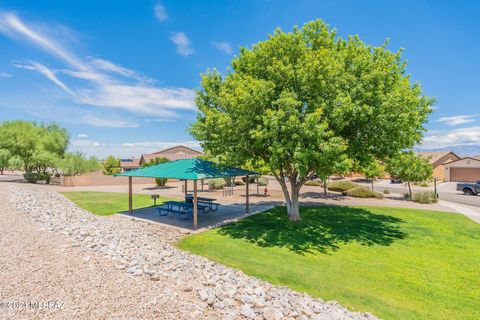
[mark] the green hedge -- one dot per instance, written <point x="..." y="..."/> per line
<point x="362" y="192"/>
<point x="341" y="185"/>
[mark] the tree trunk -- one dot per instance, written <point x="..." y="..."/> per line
<point x="372" y="184"/>
<point x="294" y="209"/>
<point x="409" y="190"/>
<point x="1" y="171"/>
<point x="325" y="188"/>
<point x="291" y="198"/>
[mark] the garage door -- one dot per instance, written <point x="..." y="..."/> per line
<point x="464" y="174"/>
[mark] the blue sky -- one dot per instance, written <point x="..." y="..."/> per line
<point x="121" y="75"/>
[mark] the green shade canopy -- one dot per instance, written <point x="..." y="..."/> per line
<point x="187" y="169"/>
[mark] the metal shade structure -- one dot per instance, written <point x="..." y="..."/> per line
<point x="187" y="169"/>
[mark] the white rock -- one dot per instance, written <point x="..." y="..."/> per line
<point x="272" y="314"/>
<point x="247" y="312"/>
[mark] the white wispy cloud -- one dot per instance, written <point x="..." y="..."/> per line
<point x="12" y="26"/>
<point x="160" y="12"/>
<point x="111" y="123"/>
<point x="225" y="47"/>
<point x="115" y="68"/>
<point x="40" y="68"/>
<point x="182" y="42"/>
<point x="5" y="75"/>
<point x="446" y="138"/>
<point x="458" y="120"/>
<point x="104" y="83"/>
<point x="82" y="136"/>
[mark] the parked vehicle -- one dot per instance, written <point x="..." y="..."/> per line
<point x="395" y="180"/>
<point x="469" y="188"/>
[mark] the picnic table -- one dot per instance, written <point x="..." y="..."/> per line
<point x="180" y="207"/>
<point x="212" y="205"/>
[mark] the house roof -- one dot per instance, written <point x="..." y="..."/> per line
<point x="470" y="158"/>
<point x="130" y="163"/>
<point x="434" y="157"/>
<point x="173" y="153"/>
<point x="188" y="169"/>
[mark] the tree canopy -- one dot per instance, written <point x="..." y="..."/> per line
<point x="111" y="165"/>
<point x="38" y="146"/>
<point x="410" y="167"/>
<point x="303" y="101"/>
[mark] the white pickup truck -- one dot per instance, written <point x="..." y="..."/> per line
<point x="469" y="188"/>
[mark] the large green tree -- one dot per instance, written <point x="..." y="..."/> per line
<point x="38" y="146"/>
<point x="304" y="96"/>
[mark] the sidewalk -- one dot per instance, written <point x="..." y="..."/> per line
<point x="470" y="212"/>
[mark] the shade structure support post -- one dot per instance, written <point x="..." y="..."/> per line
<point x="195" y="205"/>
<point x="247" y="200"/>
<point x="130" y="200"/>
<point x="186" y="186"/>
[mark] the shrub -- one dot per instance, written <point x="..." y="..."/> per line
<point x="239" y="183"/>
<point x="315" y="183"/>
<point x="425" y="197"/>
<point x="341" y="185"/>
<point x="424" y="185"/>
<point x="362" y="192"/>
<point x="161" y="182"/>
<point x="262" y="181"/>
<point x="111" y="166"/>
<point x="386" y="191"/>
<point x="215" y="184"/>
<point x="406" y="195"/>
<point x="31" y="177"/>
<point x="251" y="179"/>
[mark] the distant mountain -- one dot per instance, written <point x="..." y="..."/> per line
<point x="463" y="150"/>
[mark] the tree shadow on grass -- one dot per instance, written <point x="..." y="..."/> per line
<point x="322" y="229"/>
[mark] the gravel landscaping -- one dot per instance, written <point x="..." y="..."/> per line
<point x="184" y="285"/>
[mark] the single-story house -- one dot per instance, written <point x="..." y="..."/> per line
<point x="463" y="170"/>
<point x="173" y="153"/>
<point x="129" y="164"/>
<point x="438" y="160"/>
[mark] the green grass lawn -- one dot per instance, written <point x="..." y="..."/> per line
<point x="396" y="263"/>
<point x="107" y="203"/>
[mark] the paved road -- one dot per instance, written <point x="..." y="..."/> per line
<point x="448" y="196"/>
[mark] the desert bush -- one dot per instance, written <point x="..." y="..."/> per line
<point x="161" y="182"/>
<point x="262" y="181"/>
<point x="31" y="177"/>
<point x="424" y="184"/>
<point x="425" y="197"/>
<point x="251" y="179"/>
<point x="215" y="184"/>
<point x="341" y="185"/>
<point x="315" y="183"/>
<point x="362" y="192"/>
<point x="239" y="183"/>
<point x="386" y="191"/>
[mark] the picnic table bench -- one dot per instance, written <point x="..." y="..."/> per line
<point x="180" y="208"/>
<point x="212" y="206"/>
